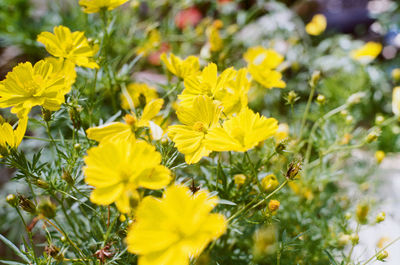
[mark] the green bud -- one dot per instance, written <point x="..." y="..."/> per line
<point x="362" y="213"/>
<point x="47" y="209"/>
<point x="77" y="147"/>
<point x="396" y="74"/>
<point x="291" y="98"/>
<point x="380" y="217"/>
<point x="382" y="255"/>
<point x="379" y="119"/>
<point x="321" y="99"/>
<point x="46" y="114"/>
<point x="42" y="184"/>
<point x="354" y="238"/>
<point x="315" y="78"/>
<point x="12" y="200"/>
<point x="66" y="175"/>
<point x="372" y="136"/>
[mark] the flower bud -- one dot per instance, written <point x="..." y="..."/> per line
<point x="42" y="183"/>
<point x="293" y="170"/>
<point x="47" y="209"/>
<point x="77" y="147"/>
<point x="343" y="239"/>
<point x="349" y="119"/>
<point x="239" y="179"/>
<point x="344" y="113"/>
<point x="273" y="205"/>
<point x="122" y="218"/>
<point x="315" y="78"/>
<point x="269" y="183"/>
<point x="379" y="156"/>
<point x="355" y="98"/>
<point x="347" y="216"/>
<point x="379" y="119"/>
<point x="321" y="99"/>
<point x="26" y="204"/>
<point x="372" y="136"/>
<point x="396" y="74"/>
<point x="12" y="200"/>
<point x="66" y="175"/>
<point x="380" y="217"/>
<point x="46" y="114"/>
<point x="362" y="213"/>
<point x="291" y="98"/>
<point x="382" y="255"/>
<point x="354" y="238"/>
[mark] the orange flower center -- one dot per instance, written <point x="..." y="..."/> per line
<point x="199" y="126"/>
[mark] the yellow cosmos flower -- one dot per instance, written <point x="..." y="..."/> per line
<point x="282" y="133"/>
<point x="396" y="101"/>
<point x="151" y="43"/>
<point x="317" y="25"/>
<point x="94" y="6"/>
<point x="181" y="68"/>
<point x="72" y="46"/>
<point x="368" y="52"/>
<point x="241" y="133"/>
<point x="10" y="138"/>
<point x="117" y="168"/>
<point x="266" y="77"/>
<point x="126" y="131"/>
<point x="140" y="93"/>
<point x="259" y="55"/>
<point x="214" y="38"/>
<point x="197" y="121"/>
<point x="43" y="84"/>
<point x="234" y="97"/>
<point x="207" y="83"/>
<point x="171" y="230"/>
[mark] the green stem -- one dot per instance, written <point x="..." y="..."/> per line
<point x="305" y="114"/>
<point x="29" y="235"/>
<point x="385" y="247"/>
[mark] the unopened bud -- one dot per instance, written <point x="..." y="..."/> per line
<point x="396" y="74"/>
<point x="66" y="175"/>
<point x="239" y="179"/>
<point x="372" y="136"/>
<point x="291" y="98"/>
<point x="122" y="218"/>
<point x="379" y="119"/>
<point x="344" y="113"/>
<point x="321" y="99"/>
<point x="273" y="205"/>
<point x="269" y="183"/>
<point x="315" y="78"/>
<point x="343" y="239"/>
<point x="47" y="209"/>
<point x="347" y="216"/>
<point x="380" y="217"/>
<point x="349" y="119"/>
<point x="46" y="114"/>
<point x="12" y="200"/>
<point x="42" y="184"/>
<point x="355" y="98"/>
<point x="382" y="255"/>
<point x="379" y="156"/>
<point x="77" y="147"/>
<point x="362" y="213"/>
<point x="354" y="238"/>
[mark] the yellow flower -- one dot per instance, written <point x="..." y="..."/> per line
<point x="396" y="101"/>
<point x="259" y="55"/>
<point x="214" y="38"/>
<point x="317" y="25"/>
<point x="72" y="46"/>
<point x="207" y="83"/>
<point x="239" y="179"/>
<point x="94" y="6"/>
<point x="368" y="52"/>
<point x="140" y="94"/>
<point x="126" y="131"/>
<point x="117" y="168"/>
<point x="282" y="133"/>
<point x="181" y="68"/>
<point x="269" y="183"/>
<point x="379" y="156"/>
<point x="171" y="230"/>
<point x="266" y="77"/>
<point x="197" y="121"/>
<point x="273" y="205"/>
<point x="43" y="84"/>
<point x="241" y="133"/>
<point x="152" y="42"/>
<point x="234" y="97"/>
<point x="10" y="138"/>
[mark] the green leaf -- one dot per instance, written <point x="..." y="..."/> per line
<point x="14" y="248"/>
<point x="10" y="262"/>
<point x="331" y="259"/>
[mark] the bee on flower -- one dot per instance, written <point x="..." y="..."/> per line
<point x="171" y="230"/>
<point x="72" y="46"/>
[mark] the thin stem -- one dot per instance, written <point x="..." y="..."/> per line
<point x="382" y="249"/>
<point x="353" y="245"/>
<point x="29" y="235"/>
<point x="305" y="114"/>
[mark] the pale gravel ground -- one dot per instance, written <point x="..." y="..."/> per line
<point x="390" y="194"/>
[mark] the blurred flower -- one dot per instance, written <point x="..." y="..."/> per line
<point x="239" y="179"/>
<point x="269" y="183"/>
<point x="94" y="6"/>
<point x="214" y="37"/>
<point x="197" y="121"/>
<point x="117" y="168"/>
<point x="379" y="156"/>
<point x="242" y="132"/>
<point x="71" y="46"/>
<point x="140" y="95"/>
<point x="273" y="205"/>
<point x="175" y="228"/>
<point x="265" y="242"/>
<point x="10" y="138"/>
<point x="154" y="57"/>
<point x="396" y="101"/>
<point x="188" y="17"/>
<point x="367" y="52"/>
<point x="317" y="25"/>
<point x="362" y="212"/>
<point x="153" y="40"/>
<point x="259" y="55"/>
<point x="266" y="77"/>
<point x="282" y="133"/>
<point x="126" y="131"/>
<point x="43" y="84"/>
<point x="181" y="68"/>
<point x="380" y="217"/>
<point x="382" y="255"/>
<point x="396" y="74"/>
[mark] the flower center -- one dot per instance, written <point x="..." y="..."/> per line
<point x="34" y="86"/>
<point x="199" y="126"/>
